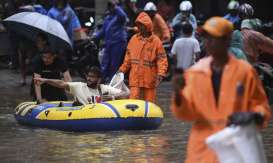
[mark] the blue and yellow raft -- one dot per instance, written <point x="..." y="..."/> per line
<point x="112" y="115"/>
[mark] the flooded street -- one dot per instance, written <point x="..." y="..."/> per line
<point x="24" y="144"/>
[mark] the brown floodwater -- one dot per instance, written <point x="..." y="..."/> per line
<point x="167" y="144"/>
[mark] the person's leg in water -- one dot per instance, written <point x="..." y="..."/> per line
<point x="134" y="93"/>
<point x="14" y="56"/>
<point x="149" y="94"/>
<point x="22" y="63"/>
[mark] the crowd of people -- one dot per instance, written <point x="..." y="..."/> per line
<point x="213" y="64"/>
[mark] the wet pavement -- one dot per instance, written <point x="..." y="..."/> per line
<point x="24" y="144"/>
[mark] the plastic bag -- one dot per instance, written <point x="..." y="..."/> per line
<point x="238" y="144"/>
<point x="118" y="82"/>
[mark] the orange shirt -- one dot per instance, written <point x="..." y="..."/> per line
<point x="240" y="91"/>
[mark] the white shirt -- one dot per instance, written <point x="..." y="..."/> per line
<point x="185" y="48"/>
<point x="87" y="95"/>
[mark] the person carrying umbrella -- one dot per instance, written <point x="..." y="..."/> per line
<point x="217" y="91"/>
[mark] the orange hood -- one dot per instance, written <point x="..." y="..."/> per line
<point x="145" y="19"/>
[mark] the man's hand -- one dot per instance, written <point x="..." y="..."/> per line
<point x="107" y="98"/>
<point x="245" y="118"/>
<point x="39" y="81"/>
<point x="178" y="84"/>
<point x="130" y="28"/>
<point x="159" y="79"/>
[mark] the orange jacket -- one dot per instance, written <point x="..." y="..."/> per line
<point x="145" y="57"/>
<point x="161" y="29"/>
<point x="241" y="90"/>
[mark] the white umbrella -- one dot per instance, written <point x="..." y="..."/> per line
<point x="29" y="24"/>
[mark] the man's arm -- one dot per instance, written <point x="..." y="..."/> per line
<point x="182" y="104"/>
<point x="197" y="50"/>
<point x="161" y="62"/>
<point x="264" y="43"/>
<point x="52" y="82"/>
<point x="164" y="29"/>
<point x="67" y="76"/>
<point x="38" y="89"/>
<point x="115" y="93"/>
<point x="124" y="94"/>
<point x="258" y="101"/>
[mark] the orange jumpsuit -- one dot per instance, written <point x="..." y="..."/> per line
<point x="240" y="91"/>
<point x="161" y="29"/>
<point x="146" y="59"/>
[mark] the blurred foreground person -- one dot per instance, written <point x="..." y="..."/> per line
<point x="146" y="60"/>
<point x="216" y="88"/>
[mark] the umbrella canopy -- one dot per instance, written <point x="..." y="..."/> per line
<point x="29" y="24"/>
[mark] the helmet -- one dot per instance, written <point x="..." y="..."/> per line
<point x="233" y="5"/>
<point x="185" y="6"/>
<point x="246" y="10"/>
<point x="150" y="6"/>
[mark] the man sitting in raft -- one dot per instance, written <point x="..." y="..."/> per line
<point x="91" y="91"/>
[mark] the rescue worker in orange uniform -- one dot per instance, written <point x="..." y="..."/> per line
<point x="215" y="89"/>
<point x="146" y="60"/>
<point x="160" y="29"/>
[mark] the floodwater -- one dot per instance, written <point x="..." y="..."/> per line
<point x="167" y="144"/>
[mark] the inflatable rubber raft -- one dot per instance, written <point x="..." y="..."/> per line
<point x="112" y="115"/>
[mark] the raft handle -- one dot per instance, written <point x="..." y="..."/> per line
<point x="132" y="107"/>
<point x="47" y="112"/>
<point x="61" y="104"/>
<point x="29" y="111"/>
